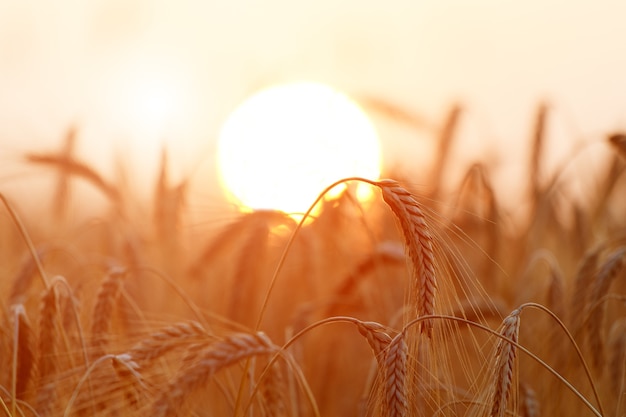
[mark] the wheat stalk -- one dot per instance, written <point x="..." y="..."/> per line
<point x="505" y="361"/>
<point x="209" y="361"/>
<point x="613" y="265"/>
<point x="419" y="244"/>
<point x="396" y="402"/>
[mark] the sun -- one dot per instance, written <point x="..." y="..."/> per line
<point x="281" y="147"/>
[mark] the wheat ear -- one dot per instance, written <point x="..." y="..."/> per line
<point x="618" y="141"/>
<point x="419" y="244"/>
<point x="376" y="336"/>
<point x="273" y="390"/>
<point x="613" y="265"/>
<point x="46" y="350"/>
<point x="23" y="355"/>
<point x="617" y="357"/>
<point x="24" y="279"/>
<point x="505" y="361"/>
<point x="103" y="310"/>
<point x="384" y="253"/>
<point x="159" y="343"/>
<point x="582" y="282"/>
<point x="396" y="402"/>
<point x="218" y="356"/>
<point x="530" y="404"/>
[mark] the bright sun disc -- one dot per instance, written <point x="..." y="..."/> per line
<point x="280" y="148"/>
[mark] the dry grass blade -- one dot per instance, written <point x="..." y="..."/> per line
<point x="419" y="244"/>
<point x="609" y="270"/>
<point x="216" y="357"/>
<point x="396" y="395"/>
<point x="505" y="361"/>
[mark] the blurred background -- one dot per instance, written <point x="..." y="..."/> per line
<point x="135" y="76"/>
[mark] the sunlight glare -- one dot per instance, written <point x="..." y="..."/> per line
<point x="148" y="104"/>
<point x="284" y="145"/>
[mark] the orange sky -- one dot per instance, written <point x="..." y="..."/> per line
<point x="76" y="62"/>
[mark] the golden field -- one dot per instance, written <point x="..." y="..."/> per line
<point x="422" y="303"/>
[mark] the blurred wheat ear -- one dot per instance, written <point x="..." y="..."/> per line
<point x="618" y="140"/>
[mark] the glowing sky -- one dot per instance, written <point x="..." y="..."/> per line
<point x="78" y="62"/>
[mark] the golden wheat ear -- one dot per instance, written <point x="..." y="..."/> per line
<point x="103" y="310"/>
<point x="23" y="354"/>
<point x="47" y="350"/>
<point x="207" y="363"/>
<point x="618" y="141"/>
<point x="505" y="361"/>
<point x="419" y="245"/>
<point x="377" y="337"/>
<point x="395" y="372"/>
<point x="612" y="267"/>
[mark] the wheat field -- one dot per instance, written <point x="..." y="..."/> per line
<point x="425" y="303"/>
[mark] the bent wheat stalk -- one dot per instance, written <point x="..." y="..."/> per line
<point x="29" y="243"/>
